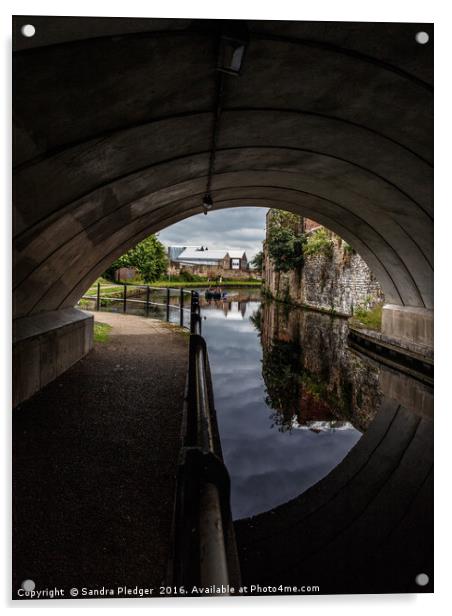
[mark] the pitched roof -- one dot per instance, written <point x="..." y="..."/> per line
<point x="190" y="253"/>
<point x="236" y="254"/>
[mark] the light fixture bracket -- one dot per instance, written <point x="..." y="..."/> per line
<point x="233" y="43"/>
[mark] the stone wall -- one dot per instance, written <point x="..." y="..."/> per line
<point x="339" y="281"/>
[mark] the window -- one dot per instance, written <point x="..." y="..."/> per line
<point x="235" y="264"/>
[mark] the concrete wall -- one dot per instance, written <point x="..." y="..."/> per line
<point x="46" y="345"/>
<point x="411" y="326"/>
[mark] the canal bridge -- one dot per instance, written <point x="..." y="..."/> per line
<point x="125" y="126"/>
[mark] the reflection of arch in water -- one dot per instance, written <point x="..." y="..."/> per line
<point x="366" y="527"/>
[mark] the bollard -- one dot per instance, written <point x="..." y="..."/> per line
<point x="125" y="299"/>
<point x="148" y="294"/>
<point x="181" y="307"/>
<point x="194" y="313"/>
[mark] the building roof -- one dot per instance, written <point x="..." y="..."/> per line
<point x="175" y="250"/>
<point x="192" y="254"/>
<point x="236" y="254"/>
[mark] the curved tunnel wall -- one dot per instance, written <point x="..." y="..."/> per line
<point x="113" y="132"/>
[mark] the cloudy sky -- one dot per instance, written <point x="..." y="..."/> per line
<point x="236" y="228"/>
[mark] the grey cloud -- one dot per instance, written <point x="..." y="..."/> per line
<point x="238" y="228"/>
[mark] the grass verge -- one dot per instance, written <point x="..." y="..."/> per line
<point x="368" y="319"/>
<point x="101" y="332"/>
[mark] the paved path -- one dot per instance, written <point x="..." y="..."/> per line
<point x="95" y="456"/>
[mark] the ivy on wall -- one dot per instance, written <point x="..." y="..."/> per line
<point x="319" y="243"/>
<point x="285" y="241"/>
<point x="288" y="245"/>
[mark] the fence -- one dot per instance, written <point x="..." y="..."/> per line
<point x="173" y="305"/>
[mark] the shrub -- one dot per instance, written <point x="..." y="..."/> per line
<point x="319" y="242"/>
<point x="148" y="257"/>
<point x="186" y="276"/>
<point x="368" y="317"/>
<point x="285" y="249"/>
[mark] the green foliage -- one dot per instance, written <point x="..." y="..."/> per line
<point x="187" y="276"/>
<point x="285" y="241"/>
<point x="281" y="370"/>
<point x="256" y="319"/>
<point x="148" y="257"/>
<point x="258" y="262"/>
<point x="85" y="303"/>
<point x="285" y="248"/>
<point x="101" y="332"/>
<point x="287" y="220"/>
<point x="349" y="250"/>
<point x="339" y="400"/>
<point x="369" y="318"/>
<point x="319" y="242"/>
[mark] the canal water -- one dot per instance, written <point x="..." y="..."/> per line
<point x="291" y="398"/>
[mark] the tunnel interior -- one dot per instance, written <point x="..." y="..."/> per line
<point x="123" y="126"/>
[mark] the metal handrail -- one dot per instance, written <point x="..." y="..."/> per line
<point x="146" y="286"/>
<point x="134" y="301"/>
<point x="147" y="303"/>
<point x="212" y="549"/>
<point x="203" y="487"/>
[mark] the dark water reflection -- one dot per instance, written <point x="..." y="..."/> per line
<point x="291" y="399"/>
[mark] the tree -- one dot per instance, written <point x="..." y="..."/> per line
<point x="148" y="257"/>
<point x="258" y="262"/>
<point x="285" y="240"/>
<point x="285" y="248"/>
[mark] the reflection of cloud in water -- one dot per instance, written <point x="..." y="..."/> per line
<point x="267" y="466"/>
<point x="283" y="464"/>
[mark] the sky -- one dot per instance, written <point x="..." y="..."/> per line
<point x="237" y="228"/>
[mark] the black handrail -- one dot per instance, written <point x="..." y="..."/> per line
<point x="127" y="300"/>
<point x="204" y="551"/>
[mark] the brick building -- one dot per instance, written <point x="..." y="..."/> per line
<point x="201" y="260"/>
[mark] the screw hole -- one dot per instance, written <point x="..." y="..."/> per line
<point x="422" y="38"/>
<point x="28" y="585"/>
<point x="422" y="579"/>
<point x="28" y="30"/>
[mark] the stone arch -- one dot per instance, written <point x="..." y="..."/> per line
<point x="115" y="122"/>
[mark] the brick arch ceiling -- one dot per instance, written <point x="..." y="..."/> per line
<point x="113" y="131"/>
